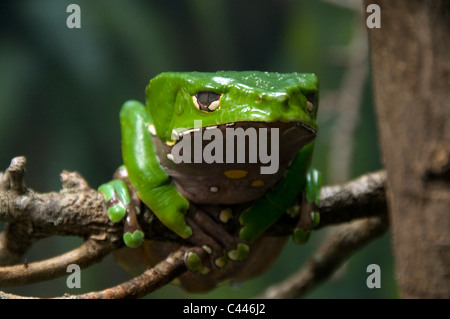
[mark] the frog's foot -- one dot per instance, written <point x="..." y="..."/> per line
<point x="120" y="206"/>
<point x="194" y="262"/>
<point x="309" y="208"/>
<point x="210" y="234"/>
<point x="305" y="224"/>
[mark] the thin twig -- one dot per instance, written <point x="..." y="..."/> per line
<point x="152" y="279"/>
<point x="89" y="253"/>
<point x="328" y="258"/>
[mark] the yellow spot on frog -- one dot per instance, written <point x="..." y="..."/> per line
<point x="235" y="173"/>
<point x="225" y="215"/>
<point x="214" y="189"/>
<point x="257" y="183"/>
<point x="207" y="249"/>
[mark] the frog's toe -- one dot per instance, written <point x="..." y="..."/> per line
<point x="133" y="240"/>
<point x="215" y="251"/>
<point x="219" y="262"/>
<point x="210" y="234"/>
<point x="308" y="220"/>
<point x="315" y="217"/>
<point x="222" y="261"/>
<point x="116" y="213"/>
<point x="194" y="262"/>
<point x="300" y="236"/>
<point x="117" y="198"/>
<point x="240" y="253"/>
<point x="313" y="186"/>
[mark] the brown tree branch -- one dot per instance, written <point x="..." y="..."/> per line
<point x="79" y="210"/>
<point x="149" y="281"/>
<point x="152" y="279"/>
<point x="91" y="252"/>
<point x="76" y="210"/>
<point x="358" y="198"/>
<point x="329" y="257"/>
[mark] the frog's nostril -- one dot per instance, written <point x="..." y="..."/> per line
<point x="286" y="104"/>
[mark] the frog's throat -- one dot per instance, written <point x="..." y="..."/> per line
<point x="204" y="173"/>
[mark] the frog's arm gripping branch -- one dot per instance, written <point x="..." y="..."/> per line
<point x="78" y="210"/>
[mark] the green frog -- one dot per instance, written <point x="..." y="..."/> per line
<point x="218" y="158"/>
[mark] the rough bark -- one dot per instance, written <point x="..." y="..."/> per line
<point x="411" y="69"/>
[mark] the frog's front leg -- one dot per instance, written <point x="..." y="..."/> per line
<point x="150" y="180"/>
<point x="265" y="211"/>
<point x="121" y="204"/>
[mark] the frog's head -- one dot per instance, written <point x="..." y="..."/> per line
<point x="225" y="100"/>
<point x="175" y="100"/>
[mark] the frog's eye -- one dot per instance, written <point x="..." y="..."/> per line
<point x="206" y="101"/>
<point x="311" y="102"/>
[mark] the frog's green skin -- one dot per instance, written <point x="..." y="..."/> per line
<point x="247" y="99"/>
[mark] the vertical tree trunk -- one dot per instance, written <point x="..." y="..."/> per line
<point x="411" y="69"/>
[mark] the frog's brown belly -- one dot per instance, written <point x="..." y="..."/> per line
<point x="231" y="182"/>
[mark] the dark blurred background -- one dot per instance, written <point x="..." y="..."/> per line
<point x="61" y="91"/>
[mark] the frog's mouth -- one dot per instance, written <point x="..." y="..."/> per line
<point x="232" y="162"/>
<point x="301" y="130"/>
